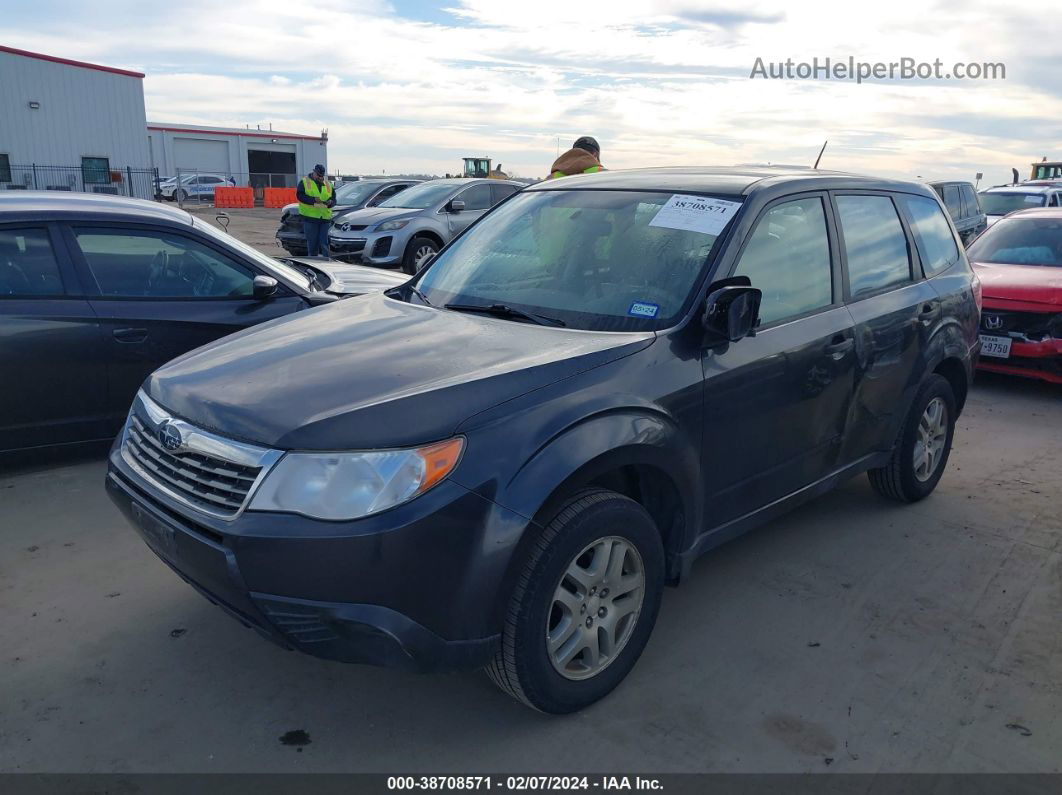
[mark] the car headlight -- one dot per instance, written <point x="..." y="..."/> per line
<point x="390" y="226"/>
<point x="352" y="485"/>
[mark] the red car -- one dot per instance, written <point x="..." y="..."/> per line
<point x="1019" y="262"/>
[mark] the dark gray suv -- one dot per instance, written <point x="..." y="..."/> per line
<point x="501" y="462"/>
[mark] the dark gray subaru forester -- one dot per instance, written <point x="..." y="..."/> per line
<point x="502" y="462"/>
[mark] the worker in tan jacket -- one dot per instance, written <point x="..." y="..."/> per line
<point x="583" y="158"/>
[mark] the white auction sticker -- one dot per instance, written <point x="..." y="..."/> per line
<point x="695" y="214"/>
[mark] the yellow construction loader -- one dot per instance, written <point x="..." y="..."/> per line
<point x="480" y="167"/>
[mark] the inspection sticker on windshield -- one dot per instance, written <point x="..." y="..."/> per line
<point x="1034" y="199"/>
<point x="695" y="214"/>
<point x="642" y="309"/>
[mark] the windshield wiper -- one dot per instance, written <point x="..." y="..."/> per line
<point x="419" y="294"/>
<point x="504" y="310"/>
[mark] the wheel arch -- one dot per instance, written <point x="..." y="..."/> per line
<point x="644" y="457"/>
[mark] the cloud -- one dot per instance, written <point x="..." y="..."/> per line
<point x="408" y="86"/>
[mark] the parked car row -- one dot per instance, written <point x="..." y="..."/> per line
<point x="350" y="196"/>
<point x="198" y="186"/>
<point x="400" y="225"/>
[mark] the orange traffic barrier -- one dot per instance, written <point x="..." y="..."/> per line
<point x="278" y="197"/>
<point x="234" y="197"/>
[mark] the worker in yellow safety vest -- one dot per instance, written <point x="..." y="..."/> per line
<point x="316" y="200"/>
<point x="583" y="158"/>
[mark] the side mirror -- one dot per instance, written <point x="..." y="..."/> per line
<point x="457" y="206"/>
<point x="264" y="287"/>
<point x="732" y="312"/>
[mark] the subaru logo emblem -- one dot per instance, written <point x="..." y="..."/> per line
<point x="170" y="437"/>
<point x="993" y="322"/>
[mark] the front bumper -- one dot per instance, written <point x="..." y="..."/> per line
<point x="292" y="241"/>
<point x="414" y="588"/>
<point x="383" y="249"/>
<point x="1042" y="360"/>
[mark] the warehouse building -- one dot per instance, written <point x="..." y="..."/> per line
<point x="262" y="158"/>
<point x="71" y="125"/>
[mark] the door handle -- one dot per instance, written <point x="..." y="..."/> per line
<point x="130" y="334"/>
<point x="927" y="313"/>
<point x="840" y="346"/>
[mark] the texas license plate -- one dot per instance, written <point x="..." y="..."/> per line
<point x="998" y="347"/>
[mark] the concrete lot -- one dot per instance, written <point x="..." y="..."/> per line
<point x="852" y="635"/>
<point x="256" y="226"/>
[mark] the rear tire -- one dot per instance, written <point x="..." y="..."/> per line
<point x="598" y="621"/>
<point x="922" y="451"/>
<point x="419" y="249"/>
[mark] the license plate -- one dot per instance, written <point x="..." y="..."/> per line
<point x="159" y="537"/>
<point x="999" y="347"/>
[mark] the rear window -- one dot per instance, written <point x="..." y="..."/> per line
<point x="936" y="243"/>
<point x="27" y="264"/>
<point x="953" y="201"/>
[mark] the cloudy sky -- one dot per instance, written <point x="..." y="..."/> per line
<point x="411" y="86"/>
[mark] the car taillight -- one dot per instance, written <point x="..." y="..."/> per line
<point x="977" y="293"/>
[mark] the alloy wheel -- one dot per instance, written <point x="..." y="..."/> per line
<point x="931" y="438"/>
<point x="420" y="255"/>
<point x="595" y="608"/>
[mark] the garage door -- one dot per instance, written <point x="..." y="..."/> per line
<point x="192" y="153"/>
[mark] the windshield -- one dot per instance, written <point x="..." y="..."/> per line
<point x="420" y="197"/>
<point x="599" y="260"/>
<point x="268" y="263"/>
<point x="355" y="192"/>
<point x="1003" y="203"/>
<point x="1020" y="241"/>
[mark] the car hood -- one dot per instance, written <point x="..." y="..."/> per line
<point x="372" y="372"/>
<point x="349" y="279"/>
<point x="1030" y="284"/>
<point x="288" y="209"/>
<point x="374" y="215"/>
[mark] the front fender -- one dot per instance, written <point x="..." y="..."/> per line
<point x="582" y="452"/>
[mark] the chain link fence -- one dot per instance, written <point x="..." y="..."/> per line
<point x="140" y="183"/>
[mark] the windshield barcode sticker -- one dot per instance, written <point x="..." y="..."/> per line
<point x="642" y="309"/>
<point x="695" y="214"/>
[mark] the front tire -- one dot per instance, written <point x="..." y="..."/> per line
<point x="922" y="451"/>
<point x="584" y="605"/>
<point x="417" y="252"/>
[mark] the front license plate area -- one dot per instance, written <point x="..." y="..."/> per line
<point x="997" y="347"/>
<point x="162" y="539"/>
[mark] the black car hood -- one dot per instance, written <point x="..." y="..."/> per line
<point x="372" y="372"/>
<point x="347" y="279"/>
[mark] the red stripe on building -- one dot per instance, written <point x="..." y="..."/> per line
<point x="250" y="133"/>
<point x="69" y="62"/>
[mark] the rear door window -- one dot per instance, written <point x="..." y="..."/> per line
<point x="502" y="192"/>
<point x="28" y="266"/>
<point x="936" y="244"/>
<point x="475" y="198"/>
<point x="788" y="259"/>
<point x="874" y="242"/>
<point x="973" y="207"/>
